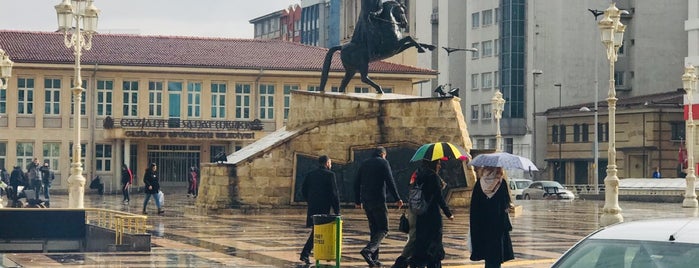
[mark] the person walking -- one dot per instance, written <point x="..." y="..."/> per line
<point x="34" y="176"/>
<point x="126" y="181"/>
<point x="428" y="247"/>
<point x="17" y="178"/>
<point x="489" y="218"/>
<point x="402" y="260"/>
<point x="151" y="183"/>
<point x="319" y="189"/>
<point x="193" y="177"/>
<point x="47" y="177"/>
<point x="373" y="177"/>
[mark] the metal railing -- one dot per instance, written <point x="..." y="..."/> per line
<point x="117" y="221"/>
<point x="578" y="189"/>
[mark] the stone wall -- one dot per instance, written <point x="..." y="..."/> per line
<point x="262" y="174"/>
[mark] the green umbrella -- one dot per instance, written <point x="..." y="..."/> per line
<point x="439" y="150"/>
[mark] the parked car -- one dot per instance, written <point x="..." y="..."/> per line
<point x="644" y="243"/>
<point x="547" y="190"/>
<point x="517" y="186"/>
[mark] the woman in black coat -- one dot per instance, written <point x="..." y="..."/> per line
<point x="152" y="187"/>
<point x="429" y="250"/>
<point x="490" y="221"/>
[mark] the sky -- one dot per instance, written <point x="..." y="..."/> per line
<point x="206" y="18"/>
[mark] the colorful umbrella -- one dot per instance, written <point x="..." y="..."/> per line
<point x="438" y="150"/>
<point x="503" y="160"/>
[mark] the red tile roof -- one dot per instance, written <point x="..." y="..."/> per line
<point x="177" y="51"/>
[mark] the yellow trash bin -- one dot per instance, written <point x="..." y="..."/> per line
<point x="327" y="237"/>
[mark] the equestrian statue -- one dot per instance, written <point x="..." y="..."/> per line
<point x="377" y="36"/>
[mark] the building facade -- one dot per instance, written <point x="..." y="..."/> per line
<point x="174" y="101"/>
<point x="559" y="41"/>
<point x="284" y="25"/>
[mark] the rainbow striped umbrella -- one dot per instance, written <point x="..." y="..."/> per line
<point x="438" y="150"/>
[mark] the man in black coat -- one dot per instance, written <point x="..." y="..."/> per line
<point x="373" y="177"/>
<point x="320" y="191"/>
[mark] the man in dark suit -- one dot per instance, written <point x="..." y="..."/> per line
<point x="320" y="191"/>
<point x="373" y="177"/>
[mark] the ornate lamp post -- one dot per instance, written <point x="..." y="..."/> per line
<point x="689" y="81"/>
<point x="612" y="31"/>
<point x="5" y="69"/>
<point x="498" y="106"/>
<point x="77" y="19"/>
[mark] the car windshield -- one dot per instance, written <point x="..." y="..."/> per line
<point x="522" y="184"/>
<point x="595" y="253"/>
<point x="552" y="184"/>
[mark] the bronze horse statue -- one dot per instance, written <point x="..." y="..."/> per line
<point x="381" y="38"/>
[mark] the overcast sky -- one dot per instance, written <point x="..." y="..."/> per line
<point x="208" y="18"/>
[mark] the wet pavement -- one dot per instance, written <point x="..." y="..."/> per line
<point x="188" y="237"/>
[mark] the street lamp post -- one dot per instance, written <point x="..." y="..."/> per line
<point x="689" y="80"/>
<point x="560" y="131"/>
<point x="498" y="106"/>
<point x="535" y="74"/>
<point x="612" y="32"/>
<point x="77" y="19"/>
<point x="5" y="69"/>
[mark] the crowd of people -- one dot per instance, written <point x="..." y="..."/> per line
<point x="489" y="237"/>
<point x="32" y="183"/>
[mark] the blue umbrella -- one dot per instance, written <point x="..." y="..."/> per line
<point x="503" y="160"/>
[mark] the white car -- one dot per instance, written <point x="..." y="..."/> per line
<point x="547" y="190"/>
<point x="517" y="186"/>
<point x="645" y="243"/>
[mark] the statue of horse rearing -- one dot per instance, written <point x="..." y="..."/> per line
<point x="382" y="39"/>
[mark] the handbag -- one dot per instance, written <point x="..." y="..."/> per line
<point x="404" y="224"/>
<point x="161" y="197"/>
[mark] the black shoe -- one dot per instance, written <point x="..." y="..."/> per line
<point x="144" y="212"/>
<point x="161" y="211"/>
<point x="305" y="259"/>
<point x="401" y="262"/>
<point x="377" y="263"/>
<point x="367" y="257"/>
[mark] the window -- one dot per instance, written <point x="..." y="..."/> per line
<point x="82" y="153"/>
<point x="25" y="153"/>
<point x="242" y="101"/>
<point x="266" y="101"/>
<point x="487" y="80"/>
<point x="314" y="88"/>
<point x="496" y="79"/>
<point x="83" y="99"/>
<point x="474" y="54"/>
<point x="3" y="154"/>
<point x="496" y="47"/>
<point x="287" y="98"/>
<point x="480" y="143"/>
<point x="562" y="133"/>
<point x="130" y="89"/>
<point x="497" y="15"/>
<point x="52" y="96"/>
<point x="576" y="133"/>
<point x="52" y="153"/>
<point x="218" y="100"/>
<point x="25" y="96"/>
<point x="194" y="99"/>
<point x="103" y="157"/>
<point x="361" y="89"/>
<point x="619" y="78"/>
<point x="155" y="98"/>
<point x="487" y="111"/>
<point x="487" y="17"/>
<point x="554" y="134"/>
<point x="474" y="81"/>
<point x="387" y="90"/>
<point x="509" y="145"/>
<point x="104" y="97"/>
<point x="475" y="20"/>
<point x="487" y="48"/>
<point x="492" y="143"/>
<point x="585" y="133"/>
<point x="474" y="112"/>
<point x="215" y="149"/>
<point x="677" y="130"/>
<point x="335" y="89"/>
<point x="603" y="134"/>
<point x="3" y="101"/>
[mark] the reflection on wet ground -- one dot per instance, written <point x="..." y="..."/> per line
<point x="188" y="237"/>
